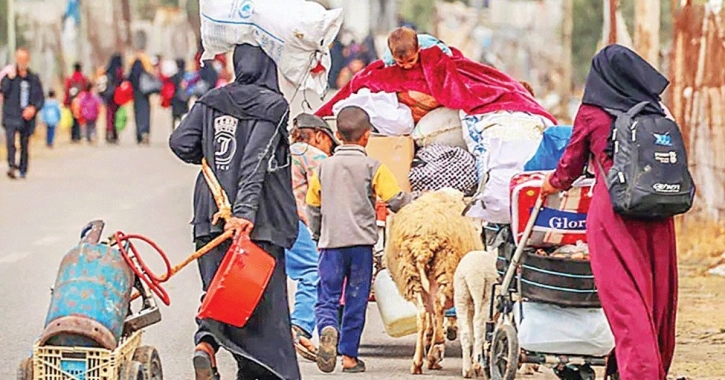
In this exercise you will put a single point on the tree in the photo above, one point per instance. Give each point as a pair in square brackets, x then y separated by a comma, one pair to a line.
[3, 23]
[588, 31]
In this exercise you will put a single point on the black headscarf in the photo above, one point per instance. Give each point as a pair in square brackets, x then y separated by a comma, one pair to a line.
[114, 65]
[255, 91]
[181, 64]
[619, 79]
[181, 70]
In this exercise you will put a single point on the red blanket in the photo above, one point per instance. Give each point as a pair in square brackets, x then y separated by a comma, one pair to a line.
[454, 81]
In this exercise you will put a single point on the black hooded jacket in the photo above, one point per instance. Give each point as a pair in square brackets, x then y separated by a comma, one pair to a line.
[180, 101]
[241, 130]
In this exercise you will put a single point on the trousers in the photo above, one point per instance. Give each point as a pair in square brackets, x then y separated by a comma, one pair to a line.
[335, 266]
[301, 265]
[24, 132]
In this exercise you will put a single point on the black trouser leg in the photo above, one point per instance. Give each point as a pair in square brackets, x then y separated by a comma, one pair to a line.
[10, 144]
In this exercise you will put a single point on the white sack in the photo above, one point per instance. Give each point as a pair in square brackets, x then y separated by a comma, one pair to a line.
[502, 142]
[441, 126]
[296, 34]
[389, 117]
[552, 329]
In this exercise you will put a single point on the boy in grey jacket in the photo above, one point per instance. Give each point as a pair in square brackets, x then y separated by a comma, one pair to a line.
[344, 225]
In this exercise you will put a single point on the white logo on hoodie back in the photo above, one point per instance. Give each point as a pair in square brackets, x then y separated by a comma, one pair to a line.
[225, 141]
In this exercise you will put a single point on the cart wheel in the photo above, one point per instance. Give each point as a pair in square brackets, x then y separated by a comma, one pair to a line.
[151, 361]
[504, 353]
[25, 369]
[132, 370]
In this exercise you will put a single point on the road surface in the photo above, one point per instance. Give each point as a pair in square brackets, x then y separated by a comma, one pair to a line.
[136, 189]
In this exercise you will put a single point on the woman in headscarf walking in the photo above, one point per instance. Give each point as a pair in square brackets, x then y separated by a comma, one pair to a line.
[241, 130]
[634, 261]
[114, 77]
[141, 104]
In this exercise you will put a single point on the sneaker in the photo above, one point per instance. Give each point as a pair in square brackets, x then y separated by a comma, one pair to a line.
[22, 175]
[327, 353]
[11, 173]
[205, 362]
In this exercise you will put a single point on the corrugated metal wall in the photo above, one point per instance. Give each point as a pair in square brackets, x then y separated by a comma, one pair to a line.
[698, 92]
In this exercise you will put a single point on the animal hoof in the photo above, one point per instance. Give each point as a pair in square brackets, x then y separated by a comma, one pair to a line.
[467, 374]
[477, 370]
[416, 369]
[434, 366]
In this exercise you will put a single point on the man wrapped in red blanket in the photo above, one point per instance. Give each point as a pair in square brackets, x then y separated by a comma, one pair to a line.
[454, 81]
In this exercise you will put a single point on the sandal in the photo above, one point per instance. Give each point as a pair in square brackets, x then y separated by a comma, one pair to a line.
[205, 363]
[307, 352]
[358, 368]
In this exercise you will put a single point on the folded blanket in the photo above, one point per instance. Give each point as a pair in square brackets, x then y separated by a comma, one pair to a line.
[454, 81]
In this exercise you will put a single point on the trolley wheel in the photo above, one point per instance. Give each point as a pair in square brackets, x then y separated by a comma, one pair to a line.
[149, 357]
[25, 369]
[504, 353]
[132, 370]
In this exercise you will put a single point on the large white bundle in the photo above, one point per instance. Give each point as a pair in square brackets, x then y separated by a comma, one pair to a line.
[441, 126]
[389, 117]
[296, 34]
[502, 142]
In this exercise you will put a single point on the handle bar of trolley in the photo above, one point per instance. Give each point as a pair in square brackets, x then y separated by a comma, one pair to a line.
[511, 270]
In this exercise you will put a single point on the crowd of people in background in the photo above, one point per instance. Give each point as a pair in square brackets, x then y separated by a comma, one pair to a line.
[88, 101]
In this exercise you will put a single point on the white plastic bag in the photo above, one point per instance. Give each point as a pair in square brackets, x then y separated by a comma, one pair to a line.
[296, 34]
[558, 330]
[399, 316]
[389, 117]
[441, 126]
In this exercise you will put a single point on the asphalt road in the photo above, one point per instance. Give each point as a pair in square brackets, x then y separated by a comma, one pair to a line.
[142, 190]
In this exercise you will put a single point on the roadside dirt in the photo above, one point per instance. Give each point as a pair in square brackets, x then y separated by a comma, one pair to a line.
[700, 352]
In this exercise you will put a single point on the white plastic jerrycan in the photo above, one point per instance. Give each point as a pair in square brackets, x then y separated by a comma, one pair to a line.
[399, 315]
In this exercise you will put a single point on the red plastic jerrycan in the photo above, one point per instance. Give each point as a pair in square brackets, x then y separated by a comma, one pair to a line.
[239, 284]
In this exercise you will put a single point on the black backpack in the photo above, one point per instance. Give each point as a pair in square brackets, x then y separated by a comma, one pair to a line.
[649, 178]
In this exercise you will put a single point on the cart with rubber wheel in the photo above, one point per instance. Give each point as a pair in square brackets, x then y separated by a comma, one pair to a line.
[525, 279]
[124, 359]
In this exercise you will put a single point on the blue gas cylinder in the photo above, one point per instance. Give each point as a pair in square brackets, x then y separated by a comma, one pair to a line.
[91, 296]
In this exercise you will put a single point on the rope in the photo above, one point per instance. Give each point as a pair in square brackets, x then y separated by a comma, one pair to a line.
[130, 253]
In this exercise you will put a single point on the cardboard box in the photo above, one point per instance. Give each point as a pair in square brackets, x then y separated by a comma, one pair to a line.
[396, 152]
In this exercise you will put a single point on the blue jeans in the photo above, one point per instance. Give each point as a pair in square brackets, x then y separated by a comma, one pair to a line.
[355, 264]
[301, 266]
[49, 135]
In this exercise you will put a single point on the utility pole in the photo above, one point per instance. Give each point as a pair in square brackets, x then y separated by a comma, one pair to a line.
[566, 75]
[647, 30]
[11, 29]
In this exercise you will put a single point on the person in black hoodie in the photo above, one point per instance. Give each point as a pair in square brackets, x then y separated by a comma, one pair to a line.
[241, 130]
[114, 77]
[23, 94]
[180, 100]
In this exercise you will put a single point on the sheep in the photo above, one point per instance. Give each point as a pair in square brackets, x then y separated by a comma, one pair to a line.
[472, 284]
[428, 238]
